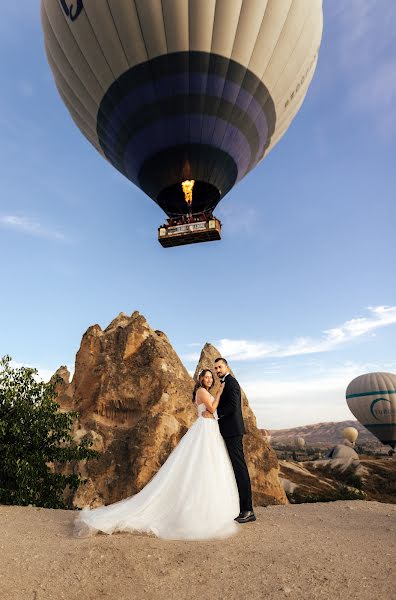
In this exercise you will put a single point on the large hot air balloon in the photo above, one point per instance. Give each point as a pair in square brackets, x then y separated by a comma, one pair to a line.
[372, 399]
[350, 434]
[184, 97]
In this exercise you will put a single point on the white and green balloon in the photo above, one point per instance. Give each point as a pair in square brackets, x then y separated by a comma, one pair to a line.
[372, 400]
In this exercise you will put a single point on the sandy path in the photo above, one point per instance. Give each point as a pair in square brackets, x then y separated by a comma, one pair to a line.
[308, 551]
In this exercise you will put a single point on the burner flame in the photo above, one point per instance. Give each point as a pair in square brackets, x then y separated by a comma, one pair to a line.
[187, 187]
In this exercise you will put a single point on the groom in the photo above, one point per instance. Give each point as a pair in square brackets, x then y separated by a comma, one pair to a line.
[229, 412]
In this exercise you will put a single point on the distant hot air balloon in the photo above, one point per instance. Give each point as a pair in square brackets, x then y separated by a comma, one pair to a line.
[350, 434]
[184, 97]
[299, 442]
[372, 400]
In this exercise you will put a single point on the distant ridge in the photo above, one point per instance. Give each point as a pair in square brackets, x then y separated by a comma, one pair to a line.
[322, 434]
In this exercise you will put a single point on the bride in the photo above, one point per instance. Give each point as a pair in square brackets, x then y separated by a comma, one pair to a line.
[193, 496]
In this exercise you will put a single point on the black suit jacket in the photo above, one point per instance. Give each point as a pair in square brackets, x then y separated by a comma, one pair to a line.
[229, 409]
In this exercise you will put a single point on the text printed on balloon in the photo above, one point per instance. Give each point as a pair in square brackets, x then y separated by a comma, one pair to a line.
[72, 11]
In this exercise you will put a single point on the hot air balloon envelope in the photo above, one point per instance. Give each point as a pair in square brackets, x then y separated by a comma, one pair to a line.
[350, 434]
[372, 399]
[178, 91]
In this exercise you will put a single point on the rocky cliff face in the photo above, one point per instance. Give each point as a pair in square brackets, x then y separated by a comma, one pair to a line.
[261, 459]
[134, 399]
[133, 396]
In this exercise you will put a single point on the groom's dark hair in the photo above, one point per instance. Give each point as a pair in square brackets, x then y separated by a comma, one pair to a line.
[222, 360]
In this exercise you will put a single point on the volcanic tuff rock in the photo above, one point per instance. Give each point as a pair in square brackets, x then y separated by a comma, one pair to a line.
[260, 457]
[326, 479]
[133, 396]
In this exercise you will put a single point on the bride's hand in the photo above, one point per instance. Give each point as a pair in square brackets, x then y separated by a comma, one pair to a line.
[207, 415]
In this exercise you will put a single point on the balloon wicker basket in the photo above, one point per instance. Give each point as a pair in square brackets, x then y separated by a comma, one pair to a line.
[189, 229]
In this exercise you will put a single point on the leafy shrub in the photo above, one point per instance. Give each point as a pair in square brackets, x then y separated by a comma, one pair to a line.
[342, 492]
[353, 480]
[347, 476]
[33, 435]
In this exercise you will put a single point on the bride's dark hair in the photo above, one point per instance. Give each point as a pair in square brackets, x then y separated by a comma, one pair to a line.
[199, 383]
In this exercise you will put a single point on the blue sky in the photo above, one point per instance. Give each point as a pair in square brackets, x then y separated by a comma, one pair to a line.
[300, 294]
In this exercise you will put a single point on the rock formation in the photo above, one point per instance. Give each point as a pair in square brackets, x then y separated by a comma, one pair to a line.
[134, 399]
[343, 452]
[370, 477]
[133, 396]
[260, 457]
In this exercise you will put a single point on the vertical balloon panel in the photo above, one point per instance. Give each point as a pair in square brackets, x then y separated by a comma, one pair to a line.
[73, 75]
[201, 22]
[126, 22]
[246, 37]
[176, 23]
[219, 94]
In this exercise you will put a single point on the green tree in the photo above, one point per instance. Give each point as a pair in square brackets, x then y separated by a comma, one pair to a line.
[34, 436]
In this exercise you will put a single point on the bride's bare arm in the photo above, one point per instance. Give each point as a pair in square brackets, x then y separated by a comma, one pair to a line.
[204, 397]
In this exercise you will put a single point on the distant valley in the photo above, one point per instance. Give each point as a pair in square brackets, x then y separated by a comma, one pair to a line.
[323, 435]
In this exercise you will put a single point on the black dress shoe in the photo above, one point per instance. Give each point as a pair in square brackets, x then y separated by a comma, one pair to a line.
[245, 517]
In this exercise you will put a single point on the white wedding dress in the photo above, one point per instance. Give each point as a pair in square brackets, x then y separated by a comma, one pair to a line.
[193, 496]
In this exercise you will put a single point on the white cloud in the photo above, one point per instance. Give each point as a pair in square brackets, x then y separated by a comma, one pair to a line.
[30, 226]
[280, 404]
[44, 373]
[381, 316]
[245, 350]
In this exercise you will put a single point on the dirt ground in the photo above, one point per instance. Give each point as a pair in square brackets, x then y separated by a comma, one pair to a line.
[322, 551]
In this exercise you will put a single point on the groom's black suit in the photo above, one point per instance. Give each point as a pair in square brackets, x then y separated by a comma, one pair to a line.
[232, 429]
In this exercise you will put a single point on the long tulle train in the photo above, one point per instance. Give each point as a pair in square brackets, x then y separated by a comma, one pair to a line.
[193, 496]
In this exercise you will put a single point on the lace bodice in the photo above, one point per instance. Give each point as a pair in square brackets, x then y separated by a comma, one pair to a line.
[201, 407]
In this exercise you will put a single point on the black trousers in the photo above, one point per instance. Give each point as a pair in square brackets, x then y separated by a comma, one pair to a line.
[235, 450]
